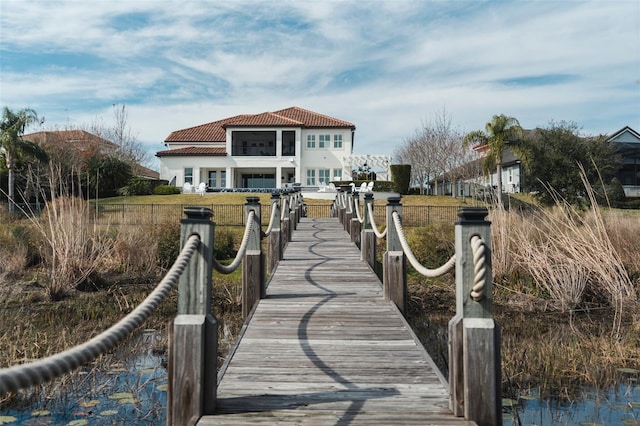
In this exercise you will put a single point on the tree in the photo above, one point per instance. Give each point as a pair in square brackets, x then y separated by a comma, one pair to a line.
[107, 174]
[500, 131]
[13, 147]
[557, 151]
[432, 151]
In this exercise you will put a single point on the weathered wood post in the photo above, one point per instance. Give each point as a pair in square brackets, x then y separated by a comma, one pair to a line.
[193, 346]
[355, 223]
[394, 263]
[368, 239]
[275, 237]
[253, 282]
[342, 206]
[286, 219]
[474, 337]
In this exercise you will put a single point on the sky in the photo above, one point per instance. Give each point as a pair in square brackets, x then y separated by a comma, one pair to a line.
[387, 66]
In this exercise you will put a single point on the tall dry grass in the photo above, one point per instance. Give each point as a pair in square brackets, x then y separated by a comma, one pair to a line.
[571, 255]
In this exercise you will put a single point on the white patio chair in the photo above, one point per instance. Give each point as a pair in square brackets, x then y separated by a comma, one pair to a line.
[363, 188]
[187, 188]
[201, 189]
[370, 187]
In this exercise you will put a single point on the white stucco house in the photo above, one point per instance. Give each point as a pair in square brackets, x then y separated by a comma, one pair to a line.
[266, 150]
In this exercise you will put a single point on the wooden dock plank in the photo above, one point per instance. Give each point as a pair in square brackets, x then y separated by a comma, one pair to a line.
[324, 347]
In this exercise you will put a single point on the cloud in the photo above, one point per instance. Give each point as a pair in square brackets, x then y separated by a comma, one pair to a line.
[383, 65]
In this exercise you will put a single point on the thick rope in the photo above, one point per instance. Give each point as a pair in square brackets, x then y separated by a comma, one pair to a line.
[227, 269]
[272, 221]
[349, 204]
[21, 376]
[429, 273]
[357, 208]
[284, 208]
[479, 268]
[373, 223]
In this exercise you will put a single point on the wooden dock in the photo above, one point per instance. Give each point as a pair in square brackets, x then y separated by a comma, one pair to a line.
[325, 348]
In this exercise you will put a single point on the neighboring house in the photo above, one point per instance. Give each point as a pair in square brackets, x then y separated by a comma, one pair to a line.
[85, 143]
[628, 143]
[626, 139]
[267, 150]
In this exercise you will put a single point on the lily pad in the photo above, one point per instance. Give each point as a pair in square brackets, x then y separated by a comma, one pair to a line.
[628, 370]
[121, 395]
[508, 402]
[39, 413]
[108, 412]
[163, 388]
[123, 401]
[79, 422]
[7, 419]
[88, 404]
[528, 397]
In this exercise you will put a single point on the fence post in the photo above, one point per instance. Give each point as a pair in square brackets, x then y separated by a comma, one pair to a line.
[355, 223]
[253, 283]
[368, 239]
[193, 346]
[474, 337]
[394, 264]
[275, 238]
[348, 213]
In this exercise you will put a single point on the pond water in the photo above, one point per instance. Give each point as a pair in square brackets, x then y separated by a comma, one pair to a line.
[130, 388]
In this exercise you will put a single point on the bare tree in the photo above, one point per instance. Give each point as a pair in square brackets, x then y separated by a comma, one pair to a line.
[121, 133]
[434, 150]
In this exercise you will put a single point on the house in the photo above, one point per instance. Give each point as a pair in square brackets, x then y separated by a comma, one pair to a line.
[266, 150]
[627, 141]
[85, 143]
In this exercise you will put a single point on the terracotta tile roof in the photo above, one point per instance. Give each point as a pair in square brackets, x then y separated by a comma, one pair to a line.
[289, 117]
[77, 136]
[313, 119]
[209, 132]
[193, 151]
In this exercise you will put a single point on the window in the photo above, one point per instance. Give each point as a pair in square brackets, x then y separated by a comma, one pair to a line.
[323, 175]
[311, 177]
[323, 141]
[258, 143]
[337, 141]
[223, 179]
[212, 179]
[288, 143]
[188, 175]
[337, 174]
[311, 141]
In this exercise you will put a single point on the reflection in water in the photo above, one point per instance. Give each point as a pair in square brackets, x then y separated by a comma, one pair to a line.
[619, 405]
[127, 387]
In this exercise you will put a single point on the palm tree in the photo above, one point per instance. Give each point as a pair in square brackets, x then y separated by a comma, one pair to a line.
[12, 146]
[501, 130]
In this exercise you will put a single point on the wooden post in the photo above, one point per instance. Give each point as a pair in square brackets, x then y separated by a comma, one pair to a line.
[394, 274]
[275, 239]
[342, 206]
[474, 337]
[253, 283]
[193, 346]
[355, 223]
[286, 220]
[294, 210]
[348, 213]
[368, 239]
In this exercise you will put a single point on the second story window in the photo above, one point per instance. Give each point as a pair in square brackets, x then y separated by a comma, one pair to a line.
[311, 141]
[323, 141]
[337, 141]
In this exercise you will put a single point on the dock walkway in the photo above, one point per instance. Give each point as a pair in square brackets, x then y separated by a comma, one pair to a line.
[325, 348]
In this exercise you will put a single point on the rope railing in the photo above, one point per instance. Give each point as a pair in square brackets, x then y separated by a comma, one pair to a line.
[284, 212]
[272, 220]
[478, 248]
[21, 376]
[227, 269]
[422, 270]
[357, 209]
[373, 223]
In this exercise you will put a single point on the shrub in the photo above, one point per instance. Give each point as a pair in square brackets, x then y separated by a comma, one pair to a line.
[168, 244]
[401, 177]
[136, 186]
[166, 190]
[433, 245]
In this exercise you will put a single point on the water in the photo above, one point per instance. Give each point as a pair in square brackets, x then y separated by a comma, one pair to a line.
[130, 388]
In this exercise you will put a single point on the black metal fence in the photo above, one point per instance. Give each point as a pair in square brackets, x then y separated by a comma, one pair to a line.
[233, 214]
